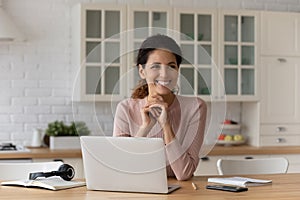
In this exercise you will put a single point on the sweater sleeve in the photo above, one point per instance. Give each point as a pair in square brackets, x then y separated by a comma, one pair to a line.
[184, 161]
[121, 121]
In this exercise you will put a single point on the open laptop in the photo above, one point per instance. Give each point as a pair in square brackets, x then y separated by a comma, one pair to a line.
[125, 164]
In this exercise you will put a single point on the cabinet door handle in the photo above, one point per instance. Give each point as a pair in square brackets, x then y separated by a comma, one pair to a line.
[205, 158]
[280, 140]
[282, 60]
[280, 129]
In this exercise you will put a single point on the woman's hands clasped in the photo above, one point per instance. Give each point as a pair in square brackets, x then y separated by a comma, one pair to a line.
[155, 110]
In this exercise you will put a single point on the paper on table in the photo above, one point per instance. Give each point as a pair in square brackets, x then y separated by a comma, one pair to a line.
[239, 181]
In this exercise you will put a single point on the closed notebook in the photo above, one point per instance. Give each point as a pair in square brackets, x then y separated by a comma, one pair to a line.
[239, 181]
[51, 183]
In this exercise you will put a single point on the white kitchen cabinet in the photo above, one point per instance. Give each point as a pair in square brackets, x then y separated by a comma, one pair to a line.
[280, 101]
[280, 85]
[280, 33]
[142, 23]
[76, 163]
[198, 41]
[98, 49]
[239, 45]
[220, 50]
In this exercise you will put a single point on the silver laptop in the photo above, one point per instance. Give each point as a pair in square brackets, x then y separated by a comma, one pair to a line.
[125, 164]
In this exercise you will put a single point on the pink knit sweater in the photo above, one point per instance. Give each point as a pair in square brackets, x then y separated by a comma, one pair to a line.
[187, 116]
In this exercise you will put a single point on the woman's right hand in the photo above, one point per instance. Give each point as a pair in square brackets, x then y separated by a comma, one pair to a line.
[148, 120]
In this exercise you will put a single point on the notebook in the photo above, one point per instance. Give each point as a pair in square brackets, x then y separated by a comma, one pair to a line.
[125, 164]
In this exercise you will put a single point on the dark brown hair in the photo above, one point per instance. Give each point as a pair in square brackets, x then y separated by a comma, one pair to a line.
[150, 44]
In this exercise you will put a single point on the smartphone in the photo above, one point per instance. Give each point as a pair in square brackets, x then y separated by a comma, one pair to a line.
[227, 188]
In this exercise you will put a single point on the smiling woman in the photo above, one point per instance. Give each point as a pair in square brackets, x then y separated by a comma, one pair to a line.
[154, 110]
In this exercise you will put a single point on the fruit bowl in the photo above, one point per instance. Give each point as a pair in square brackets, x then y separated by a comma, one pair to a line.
[227, 139]
[232, 142]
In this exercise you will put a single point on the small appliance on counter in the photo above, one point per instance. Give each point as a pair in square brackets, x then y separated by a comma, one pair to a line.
[10, 147]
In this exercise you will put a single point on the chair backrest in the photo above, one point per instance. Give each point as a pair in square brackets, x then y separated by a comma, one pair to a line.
[252, 166]
[15, 171]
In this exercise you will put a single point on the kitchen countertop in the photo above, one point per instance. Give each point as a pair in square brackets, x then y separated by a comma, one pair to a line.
[42, 152]
[216, 151]
[252, 150]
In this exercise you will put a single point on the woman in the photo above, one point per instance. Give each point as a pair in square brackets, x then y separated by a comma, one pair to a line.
[155, 111]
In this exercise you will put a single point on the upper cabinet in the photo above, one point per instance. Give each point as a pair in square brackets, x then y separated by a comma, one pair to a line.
[280, 34]
[198, 41]
[142, 23]
[239, 44]
[219, 48]
[97, 52]
[220, 51]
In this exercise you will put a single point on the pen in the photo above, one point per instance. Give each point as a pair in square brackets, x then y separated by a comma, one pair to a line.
[194, 186]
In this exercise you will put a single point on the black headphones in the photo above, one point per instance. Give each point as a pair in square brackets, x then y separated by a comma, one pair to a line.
[65, 171]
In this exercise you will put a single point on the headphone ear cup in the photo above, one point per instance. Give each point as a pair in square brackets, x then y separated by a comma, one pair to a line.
[66, 172]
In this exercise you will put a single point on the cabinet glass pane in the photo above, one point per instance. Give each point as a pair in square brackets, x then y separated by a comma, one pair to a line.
[248, 55]
[204, 81]
[93, 52]
[231, 28]
[187, 26]
[112, 77]
[248, 29]
[159, 20]
[93, 24]
[112, 55]
[188, 53]
[93, 80]
[231, 55]
[204, 27]
[204, 54]
[231, 81]
[187, 81]
[141, 19]
[248, 81]
[112, 23]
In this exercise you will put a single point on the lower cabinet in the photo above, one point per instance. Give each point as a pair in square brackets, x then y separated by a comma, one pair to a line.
[208, 165]
[74, 162]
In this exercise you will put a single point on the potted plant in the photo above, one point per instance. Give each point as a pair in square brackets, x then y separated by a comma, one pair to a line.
[62, 136]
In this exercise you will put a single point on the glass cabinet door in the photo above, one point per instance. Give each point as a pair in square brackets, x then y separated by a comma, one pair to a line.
[197, 43]
[239, 53]
[142, 24]
[102, 61]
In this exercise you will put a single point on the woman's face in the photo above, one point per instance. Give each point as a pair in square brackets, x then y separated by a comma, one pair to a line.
[162, 70]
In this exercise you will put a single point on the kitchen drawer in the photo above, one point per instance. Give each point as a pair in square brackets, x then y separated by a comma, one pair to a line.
[280, 129]
[279, 140]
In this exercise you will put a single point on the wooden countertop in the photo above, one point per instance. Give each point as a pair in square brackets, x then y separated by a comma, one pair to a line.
[251, 150]
[284, 186]
[42, 153]
[216, 151]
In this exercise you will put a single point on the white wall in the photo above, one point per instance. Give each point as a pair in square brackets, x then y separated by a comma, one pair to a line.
[35, 78]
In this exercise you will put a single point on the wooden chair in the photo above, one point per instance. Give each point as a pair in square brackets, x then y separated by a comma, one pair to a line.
[14, 171]
[252, 166]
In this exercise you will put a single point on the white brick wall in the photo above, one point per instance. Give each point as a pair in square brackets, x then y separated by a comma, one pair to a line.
[35, 78]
